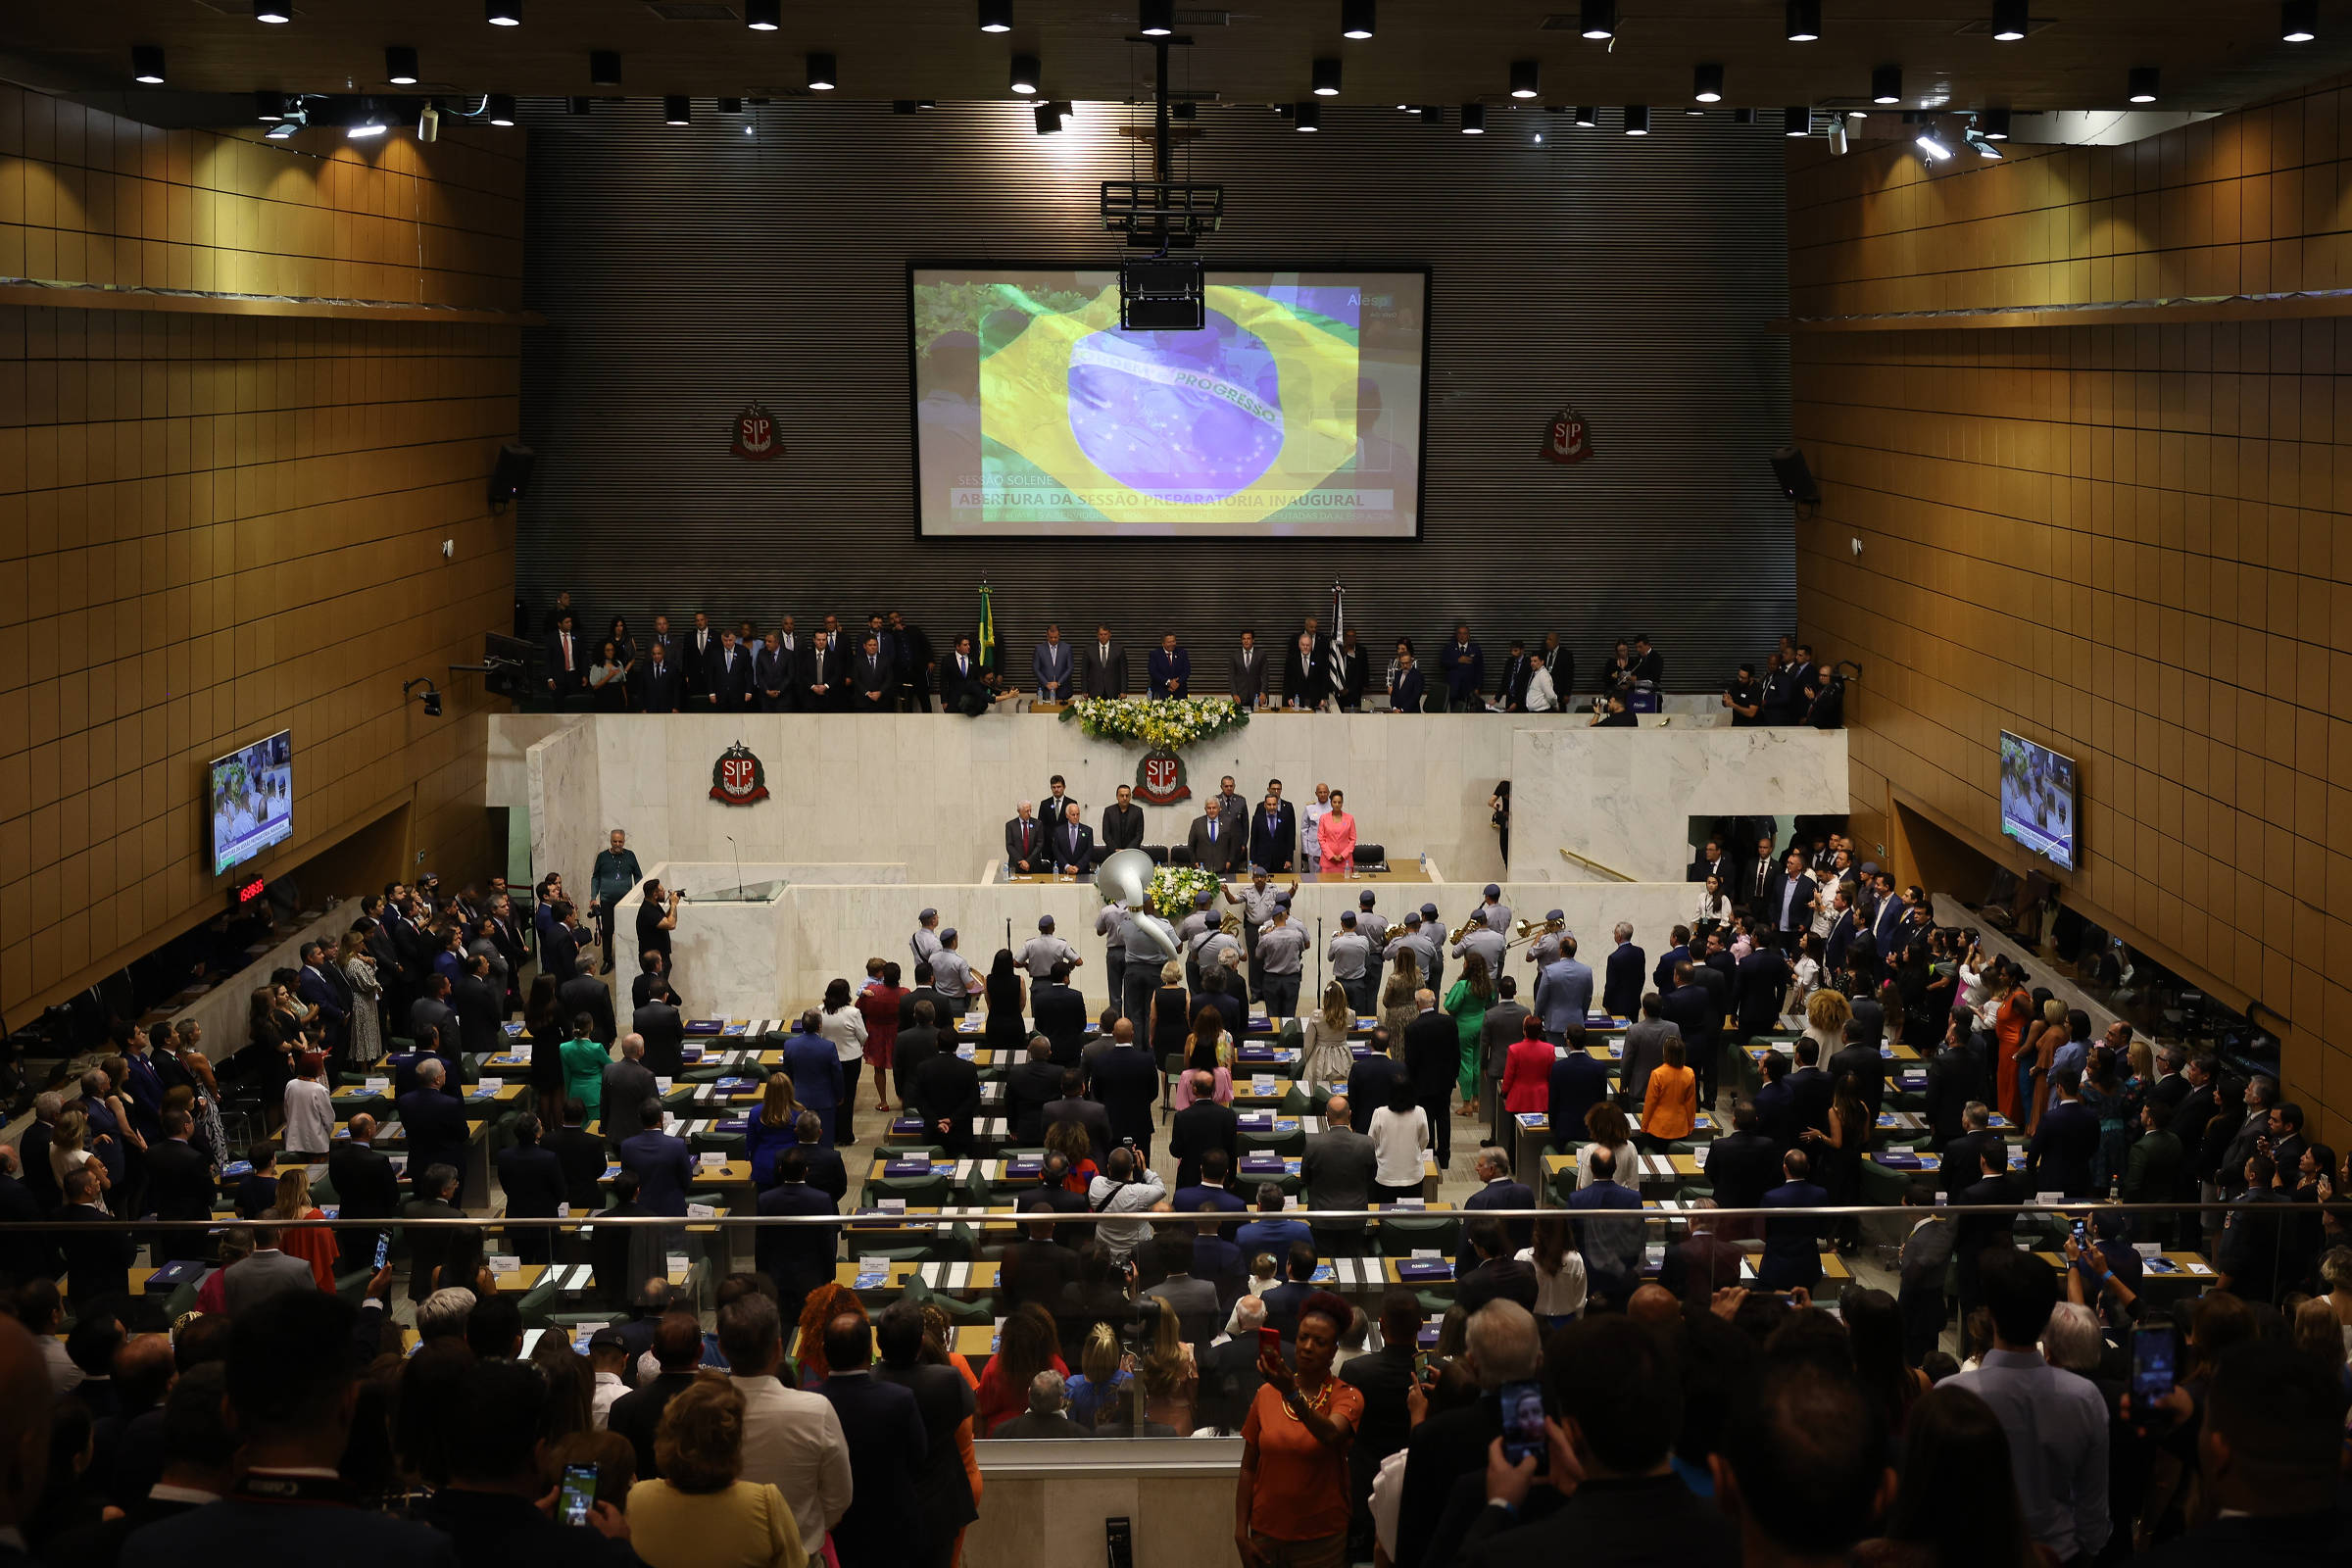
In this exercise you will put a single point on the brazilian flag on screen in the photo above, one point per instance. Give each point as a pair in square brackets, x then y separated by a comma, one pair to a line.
[983, 640]
[1235, 423]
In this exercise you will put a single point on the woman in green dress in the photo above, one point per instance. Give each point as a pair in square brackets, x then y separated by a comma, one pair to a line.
[584, 1063]
[1472, 995]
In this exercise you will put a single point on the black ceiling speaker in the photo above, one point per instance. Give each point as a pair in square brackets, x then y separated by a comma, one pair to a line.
[512, 475]
[1796, 479]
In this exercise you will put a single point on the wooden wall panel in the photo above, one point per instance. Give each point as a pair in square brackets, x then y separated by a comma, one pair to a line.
[215, 527]
[2122, 541]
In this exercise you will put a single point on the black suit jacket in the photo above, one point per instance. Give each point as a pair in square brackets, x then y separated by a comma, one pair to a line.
[731, 678]
[533, 1179]
[627, 1086]
[1955, 1076]
[433, 1025]
[481, 1007]
[884, 1431]
[435, 1125]
[1028, 1090]
[1302, 681]
[665, 1034]
[1369, 1083]
[1098, 675]
[1810, 1090]
[569, 682]
[1019, 847]
[1126, 1080]
[1068, 854]
[1867, 1066]
[660, 688]
[26, 1255]
[950, 1091]
[1621, 988]
[1743, 1166]
[1275, 848]
[585, 993]
[1433, 1054]
[1197, 1129]
[180, 1184]
[583, 1158]
[1122, 827]
[1964, 1159]
[366, 1188]
[97, 1261]
[1059, 1012]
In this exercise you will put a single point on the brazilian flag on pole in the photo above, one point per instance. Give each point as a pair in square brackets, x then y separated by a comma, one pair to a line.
[984, 641]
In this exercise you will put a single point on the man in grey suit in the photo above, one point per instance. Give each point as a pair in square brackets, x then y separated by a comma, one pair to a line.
[250, 1281]
[1249, 674]
[1645, 1049]
[1211, 838]
[1102, 671]
[1336, 1172]
[1564, 997]
[1505, 1024]
[1052, 664]
[628, 1086]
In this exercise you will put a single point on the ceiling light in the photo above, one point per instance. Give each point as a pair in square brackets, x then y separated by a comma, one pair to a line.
[1306, 116]
[273, 10]
[1887, 84]
[1983, 148]
[2140, 86]
[1804, 20]
[2299, 20]
[1995, 123]
[604, 67]
[1024, 74]
[501, 108]
[1474, 119]
[1355, 19]
[283, 130]
[822, 75]
[1326, 79]
[1599, 18]
[996, 16]
[1797, 120]
[1932, 145]
[677, 110]
[763, 16]
[1524, 77]
[147, 63]
[1637, 119]
[1156, 19]
[2009, 21]
[268, 105]
[369, 123]
[1587, 116]
[400, 65]
[1432, 114]
[1707, 84]
[1048, 117]
[503, 13]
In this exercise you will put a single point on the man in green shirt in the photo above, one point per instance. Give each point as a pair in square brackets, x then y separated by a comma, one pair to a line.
[609, 881]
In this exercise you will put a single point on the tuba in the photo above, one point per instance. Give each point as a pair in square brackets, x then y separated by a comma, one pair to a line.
[1124, 878]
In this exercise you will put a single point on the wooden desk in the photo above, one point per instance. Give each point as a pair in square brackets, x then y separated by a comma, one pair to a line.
[577, 1278]
[1657, 1170]
[970, 1281]
[2188, 1271]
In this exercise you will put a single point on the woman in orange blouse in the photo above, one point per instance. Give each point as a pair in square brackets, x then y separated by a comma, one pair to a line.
[1291, 1506]
[1526, 1070]
[1670, 1106]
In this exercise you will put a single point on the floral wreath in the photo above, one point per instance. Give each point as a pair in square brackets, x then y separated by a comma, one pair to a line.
[1149, 721]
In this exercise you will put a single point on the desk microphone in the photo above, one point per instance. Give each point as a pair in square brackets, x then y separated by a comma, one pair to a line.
[738, 868]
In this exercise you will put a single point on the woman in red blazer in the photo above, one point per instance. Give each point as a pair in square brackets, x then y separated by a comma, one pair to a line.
[1527, 1071]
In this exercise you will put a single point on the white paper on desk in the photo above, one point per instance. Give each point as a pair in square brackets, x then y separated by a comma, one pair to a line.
[662, 1085]
[563, 1211]
[2050, 1197]
[701, 1211]
[1429, 1156]
[711, 1160]
[503, 1264]
[377, 1085]
[2143, 1249]
[1413, 1202]
[677, 1262]
[1426, 1251]
[894, 1205]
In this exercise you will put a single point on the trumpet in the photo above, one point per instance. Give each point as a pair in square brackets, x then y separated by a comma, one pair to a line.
[1525, 931]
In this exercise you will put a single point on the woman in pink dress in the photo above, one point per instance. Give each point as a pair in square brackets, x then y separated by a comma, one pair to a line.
[1337, 836]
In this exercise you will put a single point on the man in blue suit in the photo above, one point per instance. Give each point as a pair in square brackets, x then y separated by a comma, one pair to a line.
[1662, 977]
[883, 1428]
[314, 988]
[1405, 683]
[1171, 670]
[798, 1257]
[1621, 993]
[1499, 1192]
[1371, 1081]
[1775, 1103]
[1579, 1081]
[1564, 996]
[1792, 1246]
[2059, 1157]
[1462, 665]
[662, 1165]
[433, 1122]
[1611, 1248]
[1272, 1233]
[1053, 663]
[816, 1069]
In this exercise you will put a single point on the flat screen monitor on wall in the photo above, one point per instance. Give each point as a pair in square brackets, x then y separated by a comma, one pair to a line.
[2039, 805]
[1295, 413]
[249, 799]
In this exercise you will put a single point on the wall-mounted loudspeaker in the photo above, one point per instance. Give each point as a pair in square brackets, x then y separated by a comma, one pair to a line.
[512, 475]
[1796, 479]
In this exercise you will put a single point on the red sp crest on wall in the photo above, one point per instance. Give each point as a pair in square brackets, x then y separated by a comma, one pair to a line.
[1569, 439]
[1160, 779]
[755, 434]
[737, 778]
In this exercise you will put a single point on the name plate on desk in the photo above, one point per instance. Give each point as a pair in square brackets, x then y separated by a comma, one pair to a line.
[1424, 1268]
[705, 1026]
[1024, 1168]
[907, 1125]
[503, 1264]
[907, 1167]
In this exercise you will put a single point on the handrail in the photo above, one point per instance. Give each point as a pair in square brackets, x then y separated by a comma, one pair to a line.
[1585, 861]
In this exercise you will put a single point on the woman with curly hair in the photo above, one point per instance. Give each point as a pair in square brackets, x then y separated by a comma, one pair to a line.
[1292, 1504]
[823, 1305]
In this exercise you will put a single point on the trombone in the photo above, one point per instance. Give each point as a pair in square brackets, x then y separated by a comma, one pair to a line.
[1525, 931]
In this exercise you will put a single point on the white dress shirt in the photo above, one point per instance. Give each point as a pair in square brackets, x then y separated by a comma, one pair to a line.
[792, 1441]
[604, 1397]
[309, 1116]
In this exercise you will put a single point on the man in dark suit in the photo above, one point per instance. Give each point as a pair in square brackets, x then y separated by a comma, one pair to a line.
[1462, 667]
[822, 679]
[658, 1024]
[1712, 862]
[585, 994]
[1433, 1059]
[1057, 1010]
[433, 1022]
[1199, 1127]
[1370, 1081]
[777, 675]
[873, 681]
[1249, 682]
[366, 1188]
[1792, 1246]
[566, 663]
[1123, 823]
[677, 1350]
[1303, 681]
[482, 1005]
[1758, 983]
[1211, 841]
[661, 688]
[181, 1185]
[730, 684]
[1955, 1076]
[1810, 1090]
[2059, 1157]
[1171, 670]
[582, 1154]
[1964, 1156]
[313, 986]
[1102, 666]
[884, 1431]
[1024, 841]
[1975, 1233]
[964, 681]
[1033, 1082]
[1621, 985]
[798, 1257]
[629, 1087]
[1860, 1057]
[1499, 1189]
[1579, 1081]
[1406, 684]
[97, 1261]
[1743, 1164]
[1072, 844]
[1787, 901]
[950, 1095]
[532, 1178]
[664, 1169]
[1126, 1080]
[435, 1123]
[1274, 836]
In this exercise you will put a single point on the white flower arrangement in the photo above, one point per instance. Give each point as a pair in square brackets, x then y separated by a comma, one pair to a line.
[1173, 890]
[1161, 725]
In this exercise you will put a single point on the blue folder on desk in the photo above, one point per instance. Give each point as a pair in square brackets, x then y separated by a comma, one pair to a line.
[1424, 1268]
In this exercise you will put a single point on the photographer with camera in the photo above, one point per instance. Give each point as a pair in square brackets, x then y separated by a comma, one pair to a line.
[657, 918]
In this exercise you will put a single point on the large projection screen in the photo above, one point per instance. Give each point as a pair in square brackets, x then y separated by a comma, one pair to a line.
[1295, 413]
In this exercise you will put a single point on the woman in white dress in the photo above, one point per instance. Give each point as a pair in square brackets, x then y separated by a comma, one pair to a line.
[1809, 950]
[1327, 1058]
[358, 970]
[1399, 1132]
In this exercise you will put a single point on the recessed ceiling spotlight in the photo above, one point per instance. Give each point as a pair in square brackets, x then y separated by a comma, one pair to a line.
[2140, 86]
[1156, 19]
[1525, 75]
[1887, 84]
[2009, 21]
[2299, 20]
[503, 13]
[400, 65]
[1024, 74]
[764, 15]
[1707, 84]
[996, 16]
[147, 63]
[279, 11]
[1355, 19]
[1803, 21]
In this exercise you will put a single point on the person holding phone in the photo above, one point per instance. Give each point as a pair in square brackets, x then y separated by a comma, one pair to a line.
[1291, 1506]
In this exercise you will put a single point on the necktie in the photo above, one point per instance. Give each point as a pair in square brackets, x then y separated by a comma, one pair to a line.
[568, 650]
[1213, 830]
